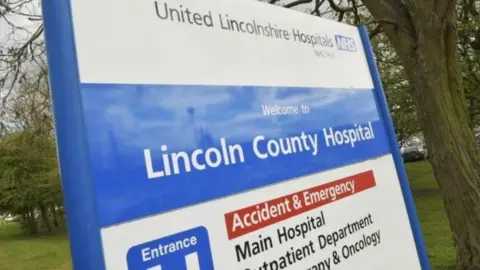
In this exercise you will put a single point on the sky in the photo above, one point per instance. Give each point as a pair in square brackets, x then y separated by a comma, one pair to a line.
[15, 29]
[34, 8]
[19, 21]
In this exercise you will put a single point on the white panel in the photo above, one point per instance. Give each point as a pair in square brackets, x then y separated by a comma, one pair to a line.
[192, 261]
[384, 202]
[124, 41]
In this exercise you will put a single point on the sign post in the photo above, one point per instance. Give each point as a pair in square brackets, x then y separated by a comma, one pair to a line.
[224, 135]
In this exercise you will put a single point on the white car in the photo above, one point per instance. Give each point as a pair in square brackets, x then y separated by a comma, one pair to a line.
[414, 150]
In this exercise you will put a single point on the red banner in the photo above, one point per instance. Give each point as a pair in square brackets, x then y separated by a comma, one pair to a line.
[258, 216]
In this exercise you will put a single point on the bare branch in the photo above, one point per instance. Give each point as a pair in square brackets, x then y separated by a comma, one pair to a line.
[34, 37]
[385, 21]
[355, 11]
[340, 16]
[395, 16]
[16, 8]
[21, 46]
[316, 9]
[337, 8]
[389, 10]
[296, 3]
[376, 31]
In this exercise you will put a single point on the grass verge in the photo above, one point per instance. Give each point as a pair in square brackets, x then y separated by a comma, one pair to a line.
[432, 216]
[18, 251]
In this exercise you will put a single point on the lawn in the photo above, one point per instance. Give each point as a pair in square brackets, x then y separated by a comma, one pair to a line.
[52, 252]
[431, 213]
[21, 252]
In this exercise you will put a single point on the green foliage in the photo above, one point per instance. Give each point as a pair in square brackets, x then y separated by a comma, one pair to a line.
[397, 89]
[469, 50]
[29, 178]
[28, 175]
[396, 84]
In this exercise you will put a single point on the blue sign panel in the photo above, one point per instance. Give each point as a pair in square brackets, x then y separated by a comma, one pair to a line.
[187, 250]
[254, 148]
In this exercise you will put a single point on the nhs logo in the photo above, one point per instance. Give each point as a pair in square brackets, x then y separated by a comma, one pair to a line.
[345, 43]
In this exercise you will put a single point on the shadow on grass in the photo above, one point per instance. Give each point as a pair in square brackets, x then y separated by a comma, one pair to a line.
[13, 232]
[452, 267]
[426, 192]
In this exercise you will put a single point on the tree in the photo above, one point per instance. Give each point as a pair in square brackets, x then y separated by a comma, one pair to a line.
[28, 181]
[21, 45]
[424, 35]
[395, 82]
[469, 49]
[29, 176]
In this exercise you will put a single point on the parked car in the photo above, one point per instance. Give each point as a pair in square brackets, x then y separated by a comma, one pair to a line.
[414, 150]
[6, 218]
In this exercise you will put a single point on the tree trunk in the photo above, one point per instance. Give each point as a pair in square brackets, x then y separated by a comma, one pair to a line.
[54, 214]
[428, 50]
[452, 149]
[46, 221]
[32, 222]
